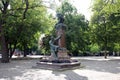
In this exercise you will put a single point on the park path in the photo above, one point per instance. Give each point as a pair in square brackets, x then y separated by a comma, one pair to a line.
[92, 68]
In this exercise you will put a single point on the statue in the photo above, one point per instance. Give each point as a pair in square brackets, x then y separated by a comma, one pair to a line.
[59, 54]
[57, 45]
[53, 47]
[60, 29]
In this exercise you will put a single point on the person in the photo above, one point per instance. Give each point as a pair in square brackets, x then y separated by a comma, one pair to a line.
[53, 47]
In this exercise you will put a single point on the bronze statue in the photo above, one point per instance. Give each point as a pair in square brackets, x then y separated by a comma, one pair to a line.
[53, 47]
[60, 24]
[60, 29]
[58, 45]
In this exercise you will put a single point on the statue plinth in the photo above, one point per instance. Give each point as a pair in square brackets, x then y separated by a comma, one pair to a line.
[62, 55]
[62, 52]
[61, 41]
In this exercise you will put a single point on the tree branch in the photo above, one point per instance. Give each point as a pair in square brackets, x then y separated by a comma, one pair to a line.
[1, 9]
[24, 13]
[3, 2]
[29, 7]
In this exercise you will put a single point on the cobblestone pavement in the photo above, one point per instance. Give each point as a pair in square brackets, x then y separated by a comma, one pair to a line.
[92, 68]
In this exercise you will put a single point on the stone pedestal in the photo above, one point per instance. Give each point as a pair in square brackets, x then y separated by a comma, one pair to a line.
[61, 41]
[62, 55]
[58, 66]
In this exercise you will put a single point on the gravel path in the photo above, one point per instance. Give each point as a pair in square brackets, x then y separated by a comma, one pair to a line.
[92, 68]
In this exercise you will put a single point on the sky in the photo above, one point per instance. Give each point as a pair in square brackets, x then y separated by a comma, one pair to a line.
[83, 6]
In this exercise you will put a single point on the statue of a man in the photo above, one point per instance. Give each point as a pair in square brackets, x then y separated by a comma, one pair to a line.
[58, 45]
[60, 23]
[60, 29]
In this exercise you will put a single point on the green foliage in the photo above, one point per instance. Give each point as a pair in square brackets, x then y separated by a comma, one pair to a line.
[117, 47]
[67, 8]
[25, 29]
[24, 23]
[105, 23]
[44, 44]
[94, 48]
[77, 26]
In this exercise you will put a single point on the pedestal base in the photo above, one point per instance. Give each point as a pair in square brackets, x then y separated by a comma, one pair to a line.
[58, 66]
[62, 55]
[62, 62]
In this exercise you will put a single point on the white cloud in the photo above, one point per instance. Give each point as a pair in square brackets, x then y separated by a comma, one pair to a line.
[83, 6]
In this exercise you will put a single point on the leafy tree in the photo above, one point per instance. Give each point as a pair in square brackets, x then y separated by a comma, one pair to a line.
[104, 24]
[20, 25]
[76, 33]
[94, 48]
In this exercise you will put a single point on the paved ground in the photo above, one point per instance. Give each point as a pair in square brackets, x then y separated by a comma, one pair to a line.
[93, 68]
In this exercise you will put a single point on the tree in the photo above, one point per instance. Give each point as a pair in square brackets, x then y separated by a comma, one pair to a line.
[94, 48]
[3, 7]
[76, 33]
[104, 24]
[21, 24]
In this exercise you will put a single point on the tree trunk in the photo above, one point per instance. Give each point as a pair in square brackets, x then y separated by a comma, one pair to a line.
[25, 51]
[5, 54]
[106, 39]
[11, 50]
[4, 47]
[105, 54]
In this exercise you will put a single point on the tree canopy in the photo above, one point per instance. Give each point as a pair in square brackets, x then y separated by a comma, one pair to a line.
[77, 26]
[105, 23]
[21, 24]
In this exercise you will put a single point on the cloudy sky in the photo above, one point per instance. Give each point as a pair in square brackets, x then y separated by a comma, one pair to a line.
[83, 6]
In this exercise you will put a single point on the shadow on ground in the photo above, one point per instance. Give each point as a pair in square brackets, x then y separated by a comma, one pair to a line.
[70, 75]
[111, 66]
[14, 69]
[22, 70]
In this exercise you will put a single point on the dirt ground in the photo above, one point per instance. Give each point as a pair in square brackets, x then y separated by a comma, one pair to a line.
[92, 68]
